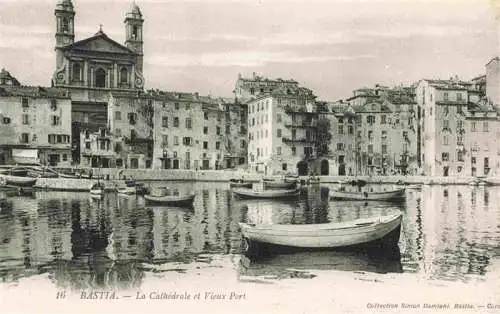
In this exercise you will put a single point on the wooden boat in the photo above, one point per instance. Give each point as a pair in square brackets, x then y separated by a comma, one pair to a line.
[17, 181]
[280, 185]
[128, 190]
[176, 200]
[97, 190]
[235, 183]
[368, 196]
[328, 235]
[249, 193]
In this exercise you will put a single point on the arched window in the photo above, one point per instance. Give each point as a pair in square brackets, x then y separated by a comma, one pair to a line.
[100, 78]
[135, 32]
[124, 76]
[77, 70]
[65, 25]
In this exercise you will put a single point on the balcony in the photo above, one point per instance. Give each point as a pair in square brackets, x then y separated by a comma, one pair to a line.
[297, 140]
[297, 110]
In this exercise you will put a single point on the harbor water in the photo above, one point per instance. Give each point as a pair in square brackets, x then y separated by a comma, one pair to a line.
[448, 253]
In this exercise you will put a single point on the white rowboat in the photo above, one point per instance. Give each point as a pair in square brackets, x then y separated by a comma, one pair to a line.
[249, 193]
[129, 190]
[329, 235]
[368, 196]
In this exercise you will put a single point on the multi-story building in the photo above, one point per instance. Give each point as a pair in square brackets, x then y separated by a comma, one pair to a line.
[93, 67]
[458, 127]
[7, 79]
[282, 131]
[196, 132]
[372, 133]
[35, 125]
[97, 149]
[256, 86]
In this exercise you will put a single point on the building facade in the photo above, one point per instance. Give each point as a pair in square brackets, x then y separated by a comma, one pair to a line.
[35, 125]
[282, 131]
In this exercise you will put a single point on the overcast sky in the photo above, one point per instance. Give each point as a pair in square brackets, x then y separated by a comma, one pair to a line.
[331, 46]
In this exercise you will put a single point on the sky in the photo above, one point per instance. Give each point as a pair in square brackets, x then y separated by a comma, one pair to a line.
[331, 47]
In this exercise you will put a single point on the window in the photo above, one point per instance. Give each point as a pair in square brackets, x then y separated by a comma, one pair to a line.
[55, 120]
[473, 126]
[266, 118]
[87, 145]
[341, 129]
[124, 76]
[308, 151]
[132, 134]
[118, 115]
[100, 78]
[370, 119]
[266, 133]
[384, 148]
[26, 119]
[283, 167]
[460, 156]
[359, 134]
[176, 140]
[188, 106]
[77, 70]
[340, 146]
[445, 96]
[278, 133]
[446, 111]
[473, 160]
[350, 129]
[218, 117]
[217, 145]
[486, 162]
[253, 121]
[25, 137]
[176, 122]
[460, 139]
[370, 135]
[278, 117]
[189, 123]
[459, 96]
[445, 156]
[370, 148]
[205, 115]
[228, 129]
[205, 130]
[25, 103]
[217, 130]
[65, 25]
[242, 144]
[205, 145]
[177, 106]
[384, 134]
[103, 145]
[485, 126]
[445, 140]
[460, 124]
[187, 141]
[6, 120]
[165, 140]
[294, 150]
[164, 122]
[383, 119]
[278, 150]
[132, 118]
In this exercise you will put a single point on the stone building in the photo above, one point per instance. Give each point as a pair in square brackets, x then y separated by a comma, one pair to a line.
[7, 79]
[372, 133]
[35, 125]
[197, 132]
[282, 131]
[256, 86]
[93, 67]
[459, 129]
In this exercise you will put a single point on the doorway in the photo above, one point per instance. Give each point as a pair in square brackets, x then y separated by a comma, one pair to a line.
[325, 168]
[302, 168]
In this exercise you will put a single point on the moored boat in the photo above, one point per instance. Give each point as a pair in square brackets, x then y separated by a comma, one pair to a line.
[176, 200]
[239, 183]
[17, 180]
[398, 194]
[328, 235]
[97, 190]
[128, 190]
[280, 185]
[249, 193]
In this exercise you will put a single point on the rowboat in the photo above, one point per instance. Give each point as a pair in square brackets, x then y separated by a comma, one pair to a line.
[128, 190]
[249, 193]
[368, 196]
[234, 183]
[280, 185]
[97, 190]
[328, 235]
[17, 181]
[176, 200]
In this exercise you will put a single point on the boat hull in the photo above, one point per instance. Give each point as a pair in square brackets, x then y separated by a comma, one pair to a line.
[127, 191]
[17, 181]
[372, 196]
[279, 185]
[248, 193]
[358, 232]
[240, 184]
[170, 200]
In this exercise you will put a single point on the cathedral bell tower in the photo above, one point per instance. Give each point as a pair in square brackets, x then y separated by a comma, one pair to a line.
[134, 29]
[65, 18]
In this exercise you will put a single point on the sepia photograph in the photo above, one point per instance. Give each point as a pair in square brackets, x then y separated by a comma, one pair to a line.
[250, 156]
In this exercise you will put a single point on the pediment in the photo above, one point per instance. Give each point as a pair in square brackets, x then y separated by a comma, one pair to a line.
[99, 43]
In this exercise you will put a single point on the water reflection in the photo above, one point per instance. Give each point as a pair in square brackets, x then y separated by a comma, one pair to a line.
[448, 232]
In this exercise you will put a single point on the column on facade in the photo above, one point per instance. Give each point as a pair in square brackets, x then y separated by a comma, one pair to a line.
[85, 73]
[108, 79]
[115, 75]
[91, 77]
[132, 76]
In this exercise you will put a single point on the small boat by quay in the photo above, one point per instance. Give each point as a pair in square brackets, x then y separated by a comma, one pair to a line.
[17, 180]
[323, 236]
[175, 200]
[393, 195]
[279, 185]
[249, 193]
[128, 190]
[239, 183]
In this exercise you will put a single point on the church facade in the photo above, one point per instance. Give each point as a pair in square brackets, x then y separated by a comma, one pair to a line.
[96, 71]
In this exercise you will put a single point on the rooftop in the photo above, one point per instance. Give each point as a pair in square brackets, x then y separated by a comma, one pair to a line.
[34, 92]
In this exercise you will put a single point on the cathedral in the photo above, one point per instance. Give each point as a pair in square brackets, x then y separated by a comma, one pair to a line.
[95, 70]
